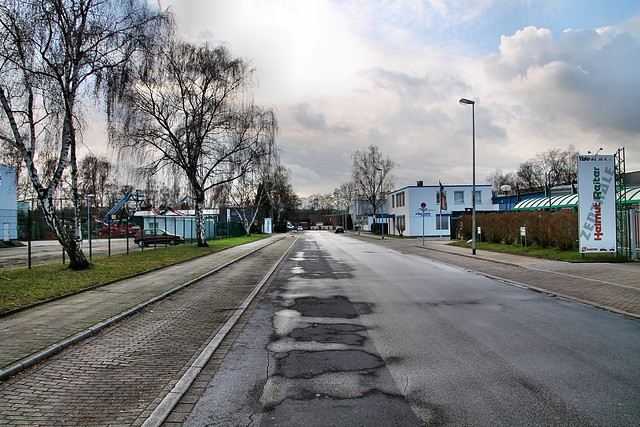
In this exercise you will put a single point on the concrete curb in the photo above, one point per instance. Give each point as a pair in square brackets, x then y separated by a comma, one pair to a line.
[166, 406]
[56, 348]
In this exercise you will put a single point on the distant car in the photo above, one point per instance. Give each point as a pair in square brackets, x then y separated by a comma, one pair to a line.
[290, 227]
[157, 236]
[339, 230]
[300, 228]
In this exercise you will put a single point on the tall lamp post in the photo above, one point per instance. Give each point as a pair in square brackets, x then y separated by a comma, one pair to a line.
[89, 221]
[381, 202]
[558, 183]
[464, 101]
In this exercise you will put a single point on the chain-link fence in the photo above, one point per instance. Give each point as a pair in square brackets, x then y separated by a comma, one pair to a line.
[26, 239]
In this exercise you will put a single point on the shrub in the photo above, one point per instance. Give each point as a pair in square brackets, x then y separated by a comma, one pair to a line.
[564, 228]
[537, 224]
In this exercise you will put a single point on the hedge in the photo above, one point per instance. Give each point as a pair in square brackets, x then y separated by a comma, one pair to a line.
[542, 227]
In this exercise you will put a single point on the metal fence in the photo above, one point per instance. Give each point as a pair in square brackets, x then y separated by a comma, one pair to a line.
[26, 239]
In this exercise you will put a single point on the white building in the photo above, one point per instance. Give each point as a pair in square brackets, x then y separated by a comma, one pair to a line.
[361, 212]
[8, 203]
[414, 206]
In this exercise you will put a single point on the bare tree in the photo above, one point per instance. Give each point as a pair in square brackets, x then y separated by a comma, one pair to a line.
[372, 176]
[96, 177]
[192, 109]
[53, 52]
[283, 200]
[344, 195]
[498, 179]
[534, 173]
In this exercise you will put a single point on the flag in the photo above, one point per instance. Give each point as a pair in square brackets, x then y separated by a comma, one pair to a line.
[443, 198]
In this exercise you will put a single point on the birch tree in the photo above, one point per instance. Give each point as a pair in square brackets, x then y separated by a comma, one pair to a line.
[192, 109]
[53, 53]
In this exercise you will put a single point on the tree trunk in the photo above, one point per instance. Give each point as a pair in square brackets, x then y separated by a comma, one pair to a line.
[77, 260]
[200, 227]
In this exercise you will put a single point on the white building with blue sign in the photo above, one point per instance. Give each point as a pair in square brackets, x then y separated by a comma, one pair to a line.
[8, 204]
[421, 211]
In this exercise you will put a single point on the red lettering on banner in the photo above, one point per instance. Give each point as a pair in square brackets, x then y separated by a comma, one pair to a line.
[598, 222]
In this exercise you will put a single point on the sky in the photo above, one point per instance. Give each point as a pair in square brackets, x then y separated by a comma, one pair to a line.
[344, 74]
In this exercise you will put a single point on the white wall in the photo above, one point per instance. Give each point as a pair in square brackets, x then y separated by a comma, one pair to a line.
[8, 203]
[414, 196]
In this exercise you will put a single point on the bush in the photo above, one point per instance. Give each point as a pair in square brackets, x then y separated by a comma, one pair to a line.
[465, 227]
[543, 228]
[490, 225]
[563, 227]
[537, 224]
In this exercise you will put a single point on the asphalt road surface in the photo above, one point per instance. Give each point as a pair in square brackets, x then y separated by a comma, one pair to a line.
[353, 334]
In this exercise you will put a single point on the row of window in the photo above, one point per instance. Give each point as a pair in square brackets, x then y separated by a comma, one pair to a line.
[442, 222]
[398, 200]
[458, 197]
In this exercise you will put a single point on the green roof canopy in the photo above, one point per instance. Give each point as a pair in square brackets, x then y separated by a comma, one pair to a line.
[632, 195]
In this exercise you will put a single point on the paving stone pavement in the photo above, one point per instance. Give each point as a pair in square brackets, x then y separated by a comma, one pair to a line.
[120, 375]
[44, 327]
[611, 286]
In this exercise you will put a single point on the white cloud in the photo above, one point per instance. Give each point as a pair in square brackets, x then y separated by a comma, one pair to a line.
[345, 74]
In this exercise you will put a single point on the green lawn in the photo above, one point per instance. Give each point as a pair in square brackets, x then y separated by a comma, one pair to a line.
[22, 287]
[548, 253]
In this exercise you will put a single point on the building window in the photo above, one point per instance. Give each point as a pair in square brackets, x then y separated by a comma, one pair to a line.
[442, 222]
[400, 199]
[458, 197]
[478, 197]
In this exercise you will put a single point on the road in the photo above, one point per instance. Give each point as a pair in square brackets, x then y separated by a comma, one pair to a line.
[353, 333]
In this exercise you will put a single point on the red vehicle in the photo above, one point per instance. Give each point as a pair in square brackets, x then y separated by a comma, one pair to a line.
[152, 236]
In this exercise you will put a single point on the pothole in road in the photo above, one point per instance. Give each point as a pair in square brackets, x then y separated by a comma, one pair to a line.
[302, 364]
[336, 306]
[342, 333]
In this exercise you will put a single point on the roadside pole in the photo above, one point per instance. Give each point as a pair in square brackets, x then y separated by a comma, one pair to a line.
[423, 208]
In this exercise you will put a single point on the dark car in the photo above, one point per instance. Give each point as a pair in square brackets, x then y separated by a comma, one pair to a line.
[157, 236]
[339, 230]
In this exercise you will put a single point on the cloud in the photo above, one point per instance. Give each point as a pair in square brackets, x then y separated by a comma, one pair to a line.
[309, 119]
[588, 78]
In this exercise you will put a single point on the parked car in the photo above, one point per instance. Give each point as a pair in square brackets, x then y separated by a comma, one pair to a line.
[339, 229]
[300, 228]
[152, 236]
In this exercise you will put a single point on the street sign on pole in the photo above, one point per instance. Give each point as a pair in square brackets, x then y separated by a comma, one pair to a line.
[423, 208]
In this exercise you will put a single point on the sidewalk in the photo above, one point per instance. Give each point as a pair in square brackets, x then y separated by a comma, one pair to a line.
[611, 286]
[35, 333]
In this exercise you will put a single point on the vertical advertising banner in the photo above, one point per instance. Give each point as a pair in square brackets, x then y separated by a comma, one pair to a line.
[597, 204]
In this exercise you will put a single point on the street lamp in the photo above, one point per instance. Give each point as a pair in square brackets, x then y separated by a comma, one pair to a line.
[89, 221]
[505, 189]
[381, 202]
[464, 101]
[558, 183]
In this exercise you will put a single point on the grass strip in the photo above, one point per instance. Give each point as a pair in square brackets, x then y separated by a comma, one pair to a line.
[21, 287]
[546, 253]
